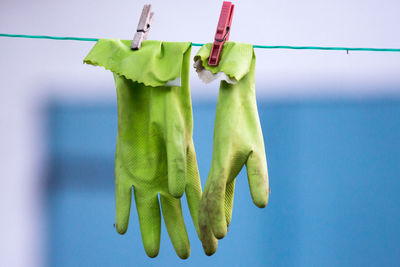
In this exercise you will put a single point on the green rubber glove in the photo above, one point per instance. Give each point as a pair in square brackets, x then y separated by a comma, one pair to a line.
[155, 152]
[238, 141]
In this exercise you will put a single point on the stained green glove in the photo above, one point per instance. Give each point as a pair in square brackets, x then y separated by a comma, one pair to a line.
[238, 140]
[155, 152]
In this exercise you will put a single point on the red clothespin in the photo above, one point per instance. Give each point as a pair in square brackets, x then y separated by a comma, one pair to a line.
[222, 34]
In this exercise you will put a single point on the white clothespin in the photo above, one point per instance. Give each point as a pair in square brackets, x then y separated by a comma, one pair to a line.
[143, 27]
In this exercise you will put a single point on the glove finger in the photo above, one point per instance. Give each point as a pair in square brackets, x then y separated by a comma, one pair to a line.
[193, 187]
[148, 209]
[123, 198]
[257, 173]
[210, 243]
[176, 157]
[216, 206]
[229, 194]
[172, 213]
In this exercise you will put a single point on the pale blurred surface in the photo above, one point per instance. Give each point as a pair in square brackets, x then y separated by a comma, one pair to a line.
[33, 73]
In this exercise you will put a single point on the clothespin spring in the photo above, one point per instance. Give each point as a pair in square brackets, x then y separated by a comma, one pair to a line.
[226, 34]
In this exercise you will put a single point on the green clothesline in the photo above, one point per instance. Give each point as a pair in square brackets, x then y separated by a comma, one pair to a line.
[195, 44]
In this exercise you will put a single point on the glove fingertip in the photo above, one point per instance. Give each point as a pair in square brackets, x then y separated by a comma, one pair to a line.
[121, 228]
[183, 253]
[261, 202]
[176, 171]
[151, 242]
[211, 248]
[216, 211]
[176, 179]
[260, 192]
[176, 190]
[123, 197]
[209, 242]
[220, 231]
[257, 173]
[152, 251]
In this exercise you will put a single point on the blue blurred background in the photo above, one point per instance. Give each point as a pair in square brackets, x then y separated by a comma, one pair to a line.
[331, 123]
[333, 169]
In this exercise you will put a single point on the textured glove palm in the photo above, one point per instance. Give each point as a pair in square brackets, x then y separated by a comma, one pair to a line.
[238, 141]
[155, 152]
